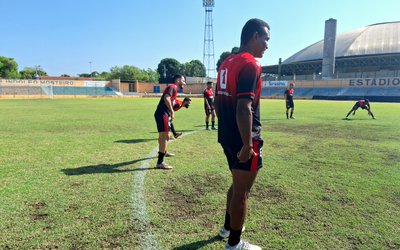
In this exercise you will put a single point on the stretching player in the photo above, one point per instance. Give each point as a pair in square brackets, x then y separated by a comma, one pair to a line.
[164, 115]
[364, 104]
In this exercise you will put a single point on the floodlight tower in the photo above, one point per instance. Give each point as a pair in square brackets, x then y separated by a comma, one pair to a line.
[208, 51]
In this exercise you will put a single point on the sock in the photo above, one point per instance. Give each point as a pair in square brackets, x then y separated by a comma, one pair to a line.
[227, 224]
[234, 237]
[160, 157]
[287, 115]
[291, 114]
[206, 124]
[173, 129]
[213, 124]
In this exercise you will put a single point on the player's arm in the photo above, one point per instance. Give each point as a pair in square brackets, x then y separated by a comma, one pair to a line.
[246, 88]
[168, 102]
[244, 120]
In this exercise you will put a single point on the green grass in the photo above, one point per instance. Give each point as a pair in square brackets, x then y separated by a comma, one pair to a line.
[67, 169]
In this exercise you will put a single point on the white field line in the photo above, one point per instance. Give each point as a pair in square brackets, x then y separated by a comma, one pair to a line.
[139, 210]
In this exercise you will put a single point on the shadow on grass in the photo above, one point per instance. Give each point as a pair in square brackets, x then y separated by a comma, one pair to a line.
[198, 244]
[177, 130]
[135, 140]
[106, 168]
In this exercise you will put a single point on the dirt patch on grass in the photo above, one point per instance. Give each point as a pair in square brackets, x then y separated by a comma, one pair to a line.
[270, 194]
[186, 194]
[36, 210]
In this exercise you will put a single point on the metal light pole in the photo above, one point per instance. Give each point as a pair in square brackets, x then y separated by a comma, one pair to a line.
[208, 51]
[90, 65]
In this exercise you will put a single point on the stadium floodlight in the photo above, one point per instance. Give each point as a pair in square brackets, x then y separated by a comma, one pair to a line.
[208, 51]
[208, 3]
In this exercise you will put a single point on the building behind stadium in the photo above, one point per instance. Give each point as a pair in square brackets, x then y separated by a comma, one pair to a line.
[361, 63]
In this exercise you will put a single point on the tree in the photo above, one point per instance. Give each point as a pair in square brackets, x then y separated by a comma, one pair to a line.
[222, 58]
[171, 66]
[195, 68]
[30, 72]
[153, 75]
[65, 75]
[129, 73]
[84, 75]
[8, 68]
[225, 55]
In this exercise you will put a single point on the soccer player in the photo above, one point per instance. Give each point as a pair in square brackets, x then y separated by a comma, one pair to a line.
[364, 104]
[164, 115]
[209, 106]
[237, 104]
[289, 101]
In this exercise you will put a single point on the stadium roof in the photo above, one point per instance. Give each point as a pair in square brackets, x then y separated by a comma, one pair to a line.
[380, 38]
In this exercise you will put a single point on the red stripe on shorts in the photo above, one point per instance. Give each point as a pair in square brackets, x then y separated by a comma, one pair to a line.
[254, 161]
[165, 120]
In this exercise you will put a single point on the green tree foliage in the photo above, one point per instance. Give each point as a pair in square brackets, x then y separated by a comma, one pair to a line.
[153, 75]
[172, 67]
[225, 55]
[104, 76]
[195, 68]
[65, 75]
[29, 73]
[8, 68]
[129, 73]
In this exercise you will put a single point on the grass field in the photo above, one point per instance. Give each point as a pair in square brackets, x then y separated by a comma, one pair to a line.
[77, 174]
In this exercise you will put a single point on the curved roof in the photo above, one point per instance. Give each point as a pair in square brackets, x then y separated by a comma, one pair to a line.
[380, 38]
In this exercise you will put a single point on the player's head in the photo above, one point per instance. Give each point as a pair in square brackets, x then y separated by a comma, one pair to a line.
[179, 80]
[366, 100]
[291, 85]
[254, 37]
[209, 85]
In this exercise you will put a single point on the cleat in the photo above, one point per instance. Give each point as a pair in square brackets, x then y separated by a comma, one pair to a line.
[223, 233]
[208, 129]
[164, 165]
[169, 154]
[242, 245]
[292, 117]
[214, 128]
[177, 135]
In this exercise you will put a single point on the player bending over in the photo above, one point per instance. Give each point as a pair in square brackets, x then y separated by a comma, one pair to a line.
[364, 104]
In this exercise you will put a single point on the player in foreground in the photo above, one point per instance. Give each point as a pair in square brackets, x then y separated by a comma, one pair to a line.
[364, 104]
[164, 115]
[289, 101]
[237, 102]
[209, 106]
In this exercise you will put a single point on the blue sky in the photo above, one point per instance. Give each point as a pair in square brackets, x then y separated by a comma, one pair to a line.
[64, 36]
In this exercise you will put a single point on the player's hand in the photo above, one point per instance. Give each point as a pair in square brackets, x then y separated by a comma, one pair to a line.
[245, 154]
[172, 117]
[186, 103]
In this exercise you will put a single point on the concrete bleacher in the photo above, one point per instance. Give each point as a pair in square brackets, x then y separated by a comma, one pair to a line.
[21, 90]
[91, 91]
[373, 94]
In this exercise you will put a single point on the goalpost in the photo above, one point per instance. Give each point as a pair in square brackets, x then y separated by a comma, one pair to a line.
[48, 90]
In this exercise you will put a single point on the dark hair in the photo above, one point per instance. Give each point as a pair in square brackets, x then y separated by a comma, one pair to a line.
[209, 83]
[176, 77]
[252, 26]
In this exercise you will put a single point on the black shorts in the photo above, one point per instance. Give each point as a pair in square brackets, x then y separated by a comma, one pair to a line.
[357, 105]
[162, 121]
[252, 165]
[289, 104]
[208, 111]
